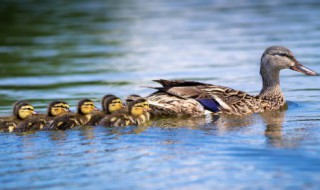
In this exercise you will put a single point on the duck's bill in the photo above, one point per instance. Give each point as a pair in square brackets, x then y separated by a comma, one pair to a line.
[300, 68]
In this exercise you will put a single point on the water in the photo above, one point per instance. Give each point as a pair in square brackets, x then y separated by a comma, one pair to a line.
[70, 50]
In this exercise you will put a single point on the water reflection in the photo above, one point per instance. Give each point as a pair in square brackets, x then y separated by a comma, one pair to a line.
[274, 122]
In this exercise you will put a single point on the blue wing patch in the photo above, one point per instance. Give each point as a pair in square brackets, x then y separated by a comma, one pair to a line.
[209, 104]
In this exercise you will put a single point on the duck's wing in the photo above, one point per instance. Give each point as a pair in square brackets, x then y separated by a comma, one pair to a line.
[118, 120]
[63, 122]
[96, 118]
[212, 97]
[171, 83]
[32, 124]
[7, 126]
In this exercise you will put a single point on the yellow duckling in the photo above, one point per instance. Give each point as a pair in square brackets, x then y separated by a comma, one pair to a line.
[136, 114]
[110, 104]
[22, 110]
[134, 97]
[82, 117]
[38, 122]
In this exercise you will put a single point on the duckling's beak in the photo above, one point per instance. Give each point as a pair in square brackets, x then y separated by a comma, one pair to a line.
[34, 113]
[300, 68]
[146, 109]
[95, 108]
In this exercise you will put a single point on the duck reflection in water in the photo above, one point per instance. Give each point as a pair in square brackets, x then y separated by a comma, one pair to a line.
[274, 122]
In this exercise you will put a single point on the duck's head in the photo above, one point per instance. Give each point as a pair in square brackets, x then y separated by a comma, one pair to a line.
[86, 106]
[132, 97]
[22, 110]
[139, 107]
[276, 58]
[111, 103]
[57, 108]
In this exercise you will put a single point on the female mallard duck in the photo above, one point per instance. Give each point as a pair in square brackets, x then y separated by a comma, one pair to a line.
[37, 122]
[70, 120]
[22, 110]
[110, 104]
[191, 98]
[134, 115]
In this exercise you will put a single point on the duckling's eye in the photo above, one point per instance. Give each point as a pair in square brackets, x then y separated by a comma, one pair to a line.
[29, 109]
[88, 104]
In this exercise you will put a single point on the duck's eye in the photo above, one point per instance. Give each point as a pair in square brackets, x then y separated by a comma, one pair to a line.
[29, 109]
[88, 104]
[282, 54]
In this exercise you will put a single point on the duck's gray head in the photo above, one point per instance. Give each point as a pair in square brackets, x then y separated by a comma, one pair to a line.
[276, 58]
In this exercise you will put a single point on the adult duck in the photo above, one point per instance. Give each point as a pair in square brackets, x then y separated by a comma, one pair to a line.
[189, 98]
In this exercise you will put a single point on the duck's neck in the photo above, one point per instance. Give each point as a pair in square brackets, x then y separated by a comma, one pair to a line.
[271, 85]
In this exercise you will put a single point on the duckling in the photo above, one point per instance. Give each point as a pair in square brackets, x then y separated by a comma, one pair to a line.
[110, 104]
[134, 97]
[37, 122]
[22, 110]
[134, 115]
[82, 117]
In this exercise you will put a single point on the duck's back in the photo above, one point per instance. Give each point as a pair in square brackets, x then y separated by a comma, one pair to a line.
[117, 120]
[96, 117]
[188, 98]
[66, 121]
[32, 124]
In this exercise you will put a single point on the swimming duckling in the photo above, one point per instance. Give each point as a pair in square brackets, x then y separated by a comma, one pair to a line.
[82, 117]
[22, 110]
[136, 114]
[134, 97]
[37, 122]
[110, 104]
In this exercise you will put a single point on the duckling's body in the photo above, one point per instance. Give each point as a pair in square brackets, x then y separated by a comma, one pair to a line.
[70, 120]
[110, 104]
[189, 98]
[136, 114]
[22, 111]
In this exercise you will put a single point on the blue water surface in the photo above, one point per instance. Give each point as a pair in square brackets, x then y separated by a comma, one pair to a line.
[75, 49]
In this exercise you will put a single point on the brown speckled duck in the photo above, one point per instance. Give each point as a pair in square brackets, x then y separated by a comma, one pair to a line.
[136, 114]
[82, 117]
[22, 111]
[110, 104]
[189, 98]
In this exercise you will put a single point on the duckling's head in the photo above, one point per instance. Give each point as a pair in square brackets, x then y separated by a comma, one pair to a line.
[86, 106]
[111, 103]
[276, 58]
[132, 97]
[57, 108]
[138, 107]
[23, 110]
